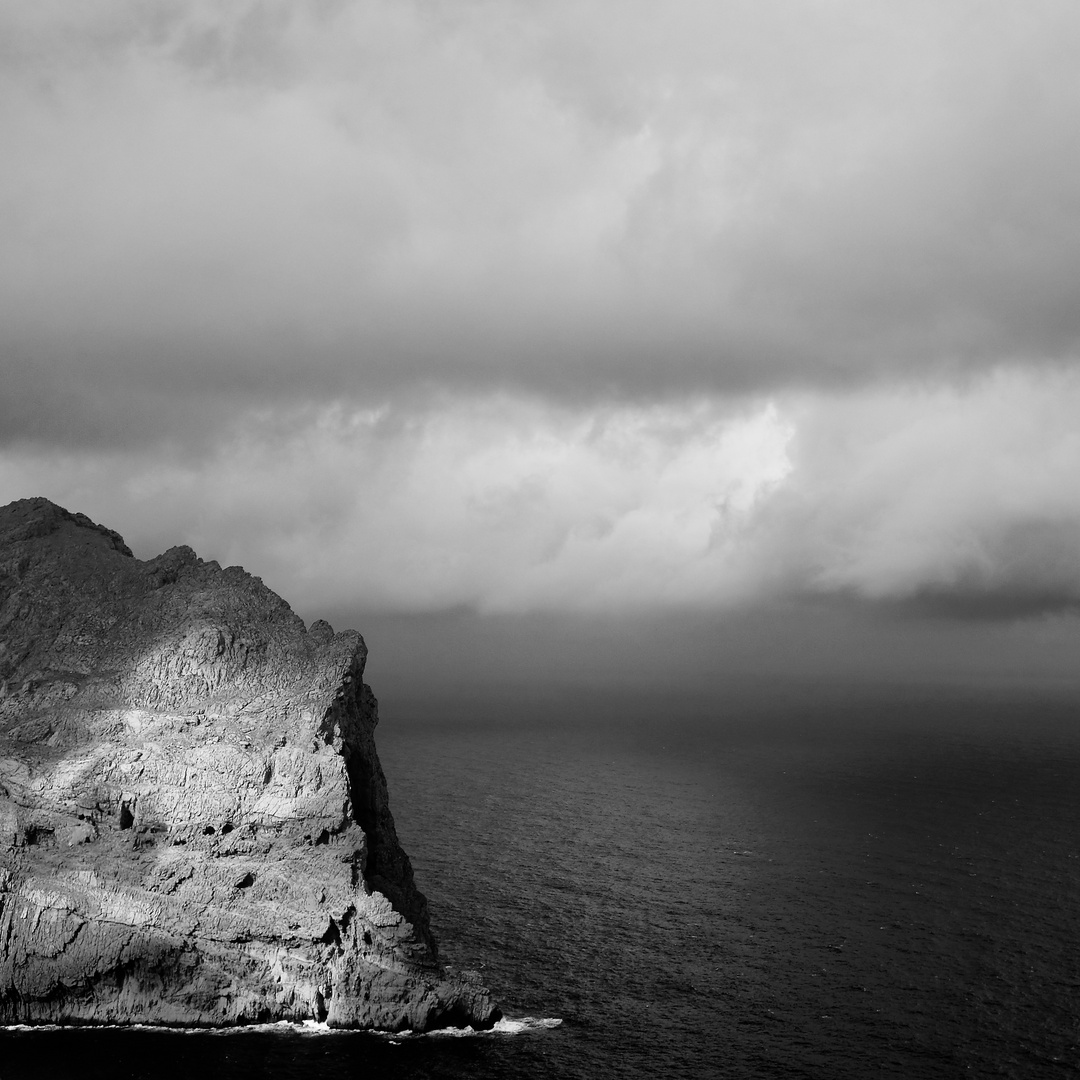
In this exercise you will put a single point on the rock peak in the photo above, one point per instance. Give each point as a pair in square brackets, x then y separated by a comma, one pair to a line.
[26, 519]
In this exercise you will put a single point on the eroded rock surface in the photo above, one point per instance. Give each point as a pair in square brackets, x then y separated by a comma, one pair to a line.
[194, 826]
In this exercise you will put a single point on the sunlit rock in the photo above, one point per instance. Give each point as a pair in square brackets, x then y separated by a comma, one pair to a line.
[194, 825]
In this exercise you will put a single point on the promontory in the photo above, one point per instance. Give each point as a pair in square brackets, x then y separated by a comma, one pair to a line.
[194, 826]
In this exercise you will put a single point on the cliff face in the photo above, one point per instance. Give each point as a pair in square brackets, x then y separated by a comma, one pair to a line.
[194, 826]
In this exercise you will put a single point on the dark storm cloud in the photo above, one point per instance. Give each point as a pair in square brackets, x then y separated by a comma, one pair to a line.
[579, 200]
[1026, 568]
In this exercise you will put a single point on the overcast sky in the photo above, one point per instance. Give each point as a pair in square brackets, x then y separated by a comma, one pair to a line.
[696, 314]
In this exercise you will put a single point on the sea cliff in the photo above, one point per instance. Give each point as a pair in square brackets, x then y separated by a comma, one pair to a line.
[194, 825]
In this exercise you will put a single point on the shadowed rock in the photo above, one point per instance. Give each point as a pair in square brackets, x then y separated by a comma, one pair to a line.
[194, 826]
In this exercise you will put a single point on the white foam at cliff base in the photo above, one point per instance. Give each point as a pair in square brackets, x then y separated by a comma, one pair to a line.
[506, 1026]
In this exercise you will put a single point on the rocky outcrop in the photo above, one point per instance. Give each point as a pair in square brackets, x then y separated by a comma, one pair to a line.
[194, 826]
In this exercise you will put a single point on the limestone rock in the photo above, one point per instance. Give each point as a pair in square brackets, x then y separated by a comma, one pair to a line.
[194, 826]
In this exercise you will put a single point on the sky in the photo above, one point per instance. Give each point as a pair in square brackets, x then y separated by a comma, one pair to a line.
[592, 342]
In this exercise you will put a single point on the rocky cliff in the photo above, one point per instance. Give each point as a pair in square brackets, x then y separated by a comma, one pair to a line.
[194, 826]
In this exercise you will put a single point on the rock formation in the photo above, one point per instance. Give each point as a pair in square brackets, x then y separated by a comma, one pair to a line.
[194, 825]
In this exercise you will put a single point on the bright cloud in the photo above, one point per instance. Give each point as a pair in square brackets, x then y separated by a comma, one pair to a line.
[500, 504]
[966, 494]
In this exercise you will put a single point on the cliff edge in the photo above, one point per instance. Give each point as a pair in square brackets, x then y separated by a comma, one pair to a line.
[194, 826]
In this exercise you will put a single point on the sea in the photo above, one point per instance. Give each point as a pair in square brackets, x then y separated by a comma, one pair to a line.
[802, 883]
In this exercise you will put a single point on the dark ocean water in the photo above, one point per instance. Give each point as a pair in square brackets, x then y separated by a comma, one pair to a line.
[873, 888]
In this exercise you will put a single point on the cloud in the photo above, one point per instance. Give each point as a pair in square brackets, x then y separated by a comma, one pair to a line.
[520, 307]
[206, 207]
[956, 497]
[498, 504]
[959, 500]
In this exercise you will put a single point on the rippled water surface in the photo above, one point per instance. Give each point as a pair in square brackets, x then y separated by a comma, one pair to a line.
[862, 890]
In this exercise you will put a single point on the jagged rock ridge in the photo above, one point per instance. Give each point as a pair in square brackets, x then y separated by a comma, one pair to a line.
[194, 826]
